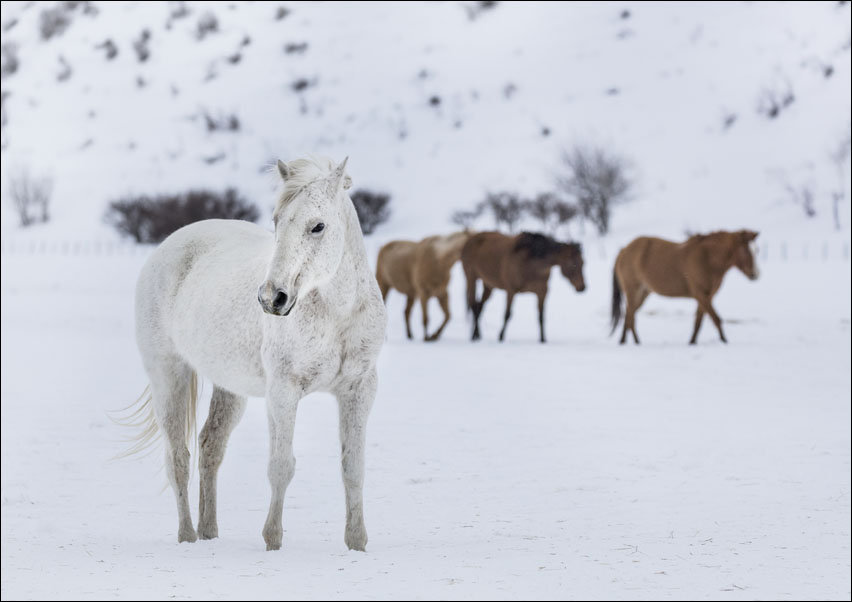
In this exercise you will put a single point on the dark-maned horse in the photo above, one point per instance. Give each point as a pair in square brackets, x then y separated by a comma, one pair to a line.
[694, 268]
[517, 264]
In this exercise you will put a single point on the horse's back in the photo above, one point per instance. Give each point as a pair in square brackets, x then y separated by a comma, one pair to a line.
[655, 263]
[483, 255]
[197, 290]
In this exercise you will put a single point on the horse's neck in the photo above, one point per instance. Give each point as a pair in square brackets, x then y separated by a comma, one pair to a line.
[719, 253]
[451, 253]
[349, 281]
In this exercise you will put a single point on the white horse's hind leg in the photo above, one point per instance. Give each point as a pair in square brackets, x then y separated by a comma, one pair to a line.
[354, 403]
[282, 400]
[226, 410]
[171, 390]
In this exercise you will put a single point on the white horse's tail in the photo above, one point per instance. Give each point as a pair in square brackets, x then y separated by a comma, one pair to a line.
[143, 419]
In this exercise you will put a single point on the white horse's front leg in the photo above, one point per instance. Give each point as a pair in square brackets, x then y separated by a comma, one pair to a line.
[355, 398]
[282, 400]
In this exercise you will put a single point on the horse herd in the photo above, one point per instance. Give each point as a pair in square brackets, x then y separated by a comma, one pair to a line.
[522, 264]
[317, 321]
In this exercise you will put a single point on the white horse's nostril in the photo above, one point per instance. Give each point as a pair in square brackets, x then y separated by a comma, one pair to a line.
[280, 299]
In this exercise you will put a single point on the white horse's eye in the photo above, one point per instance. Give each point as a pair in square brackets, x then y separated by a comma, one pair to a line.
[318, 228]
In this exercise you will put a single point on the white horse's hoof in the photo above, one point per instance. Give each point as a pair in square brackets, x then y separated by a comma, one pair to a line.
[272, 536]
[208, 532]
[356, 539]
[187, 534]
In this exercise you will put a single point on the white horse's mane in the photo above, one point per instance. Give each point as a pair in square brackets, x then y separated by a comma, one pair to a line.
[302, 172]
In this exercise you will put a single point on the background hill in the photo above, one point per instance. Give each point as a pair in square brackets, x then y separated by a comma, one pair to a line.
[721, 109]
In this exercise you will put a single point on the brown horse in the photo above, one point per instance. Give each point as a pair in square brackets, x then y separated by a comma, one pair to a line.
[694, 268]
[420, 270]
[517, 264]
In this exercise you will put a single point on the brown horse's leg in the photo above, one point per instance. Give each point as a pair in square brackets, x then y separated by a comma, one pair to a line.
[409, 303]
[629, 294]
[424, 307]
[444, 300]
[510, 295]
[642, 295]
[477, 310]
[385, 288]
[541, 297]
[699, 316]
[705, 303]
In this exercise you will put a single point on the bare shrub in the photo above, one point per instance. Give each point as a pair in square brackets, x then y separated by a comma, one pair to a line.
[207, 24]
[506, 208]
[597, 181]
[109, 47]
[140, 46]
[53, 22]
[65, 70]
[372, 208]
[221, 122]
[466, 218]
[475, 9]
[295, 47]
[801, 194]
[775, 98]
[9, 61]
[150, 219]
[30, 197]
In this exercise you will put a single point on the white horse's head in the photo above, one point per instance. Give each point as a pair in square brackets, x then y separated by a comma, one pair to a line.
[310, 232]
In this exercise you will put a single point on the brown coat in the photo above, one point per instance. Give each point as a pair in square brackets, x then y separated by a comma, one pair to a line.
[420, 270]
[517, 264]
[694, 268]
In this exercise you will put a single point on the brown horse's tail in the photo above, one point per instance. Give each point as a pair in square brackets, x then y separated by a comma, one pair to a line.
[616, 302]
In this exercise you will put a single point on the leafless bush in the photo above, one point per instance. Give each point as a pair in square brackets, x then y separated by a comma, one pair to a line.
[65, 70]
[506, 208]
[550, 210]
[30, 197]
[597, 181]
[221, 122]
[179, 11]
[53, 21]
[4, 117]
[9, 61]
[466, 218]
[109, 47]
[207, 24]
[150, 219]
[475, 9]
[140, 46]
[295, 47]
[774, 99]
[802, 194]
[281, 12]
[372, 208]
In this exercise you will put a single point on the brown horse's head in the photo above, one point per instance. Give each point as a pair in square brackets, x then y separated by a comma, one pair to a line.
[744, 253]
[571, 264]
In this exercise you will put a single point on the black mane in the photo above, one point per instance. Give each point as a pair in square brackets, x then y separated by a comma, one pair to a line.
[537, 245]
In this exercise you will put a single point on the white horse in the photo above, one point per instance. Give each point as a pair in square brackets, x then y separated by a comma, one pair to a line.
[317, 323]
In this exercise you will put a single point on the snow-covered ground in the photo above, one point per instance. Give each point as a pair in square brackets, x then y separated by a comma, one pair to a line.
[577, 469]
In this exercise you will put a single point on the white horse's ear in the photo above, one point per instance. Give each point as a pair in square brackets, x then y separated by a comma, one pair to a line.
[283, 170]
[340, 177]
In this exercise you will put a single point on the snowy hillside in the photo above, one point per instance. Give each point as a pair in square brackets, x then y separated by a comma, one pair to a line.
[435, 103]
